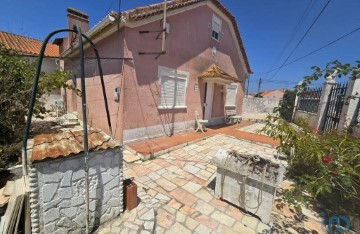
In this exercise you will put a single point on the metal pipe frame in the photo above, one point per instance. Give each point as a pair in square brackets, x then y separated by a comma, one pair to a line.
[83, 91]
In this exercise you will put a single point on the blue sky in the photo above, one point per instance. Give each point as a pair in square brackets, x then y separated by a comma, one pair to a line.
[265, 28]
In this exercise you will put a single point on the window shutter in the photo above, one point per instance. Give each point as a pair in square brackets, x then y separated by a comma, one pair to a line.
[231, 95]
[173, 89]
[180, 92]
[167, 91]
[216, 27]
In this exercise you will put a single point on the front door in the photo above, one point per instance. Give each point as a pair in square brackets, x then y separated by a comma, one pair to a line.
[208, 100]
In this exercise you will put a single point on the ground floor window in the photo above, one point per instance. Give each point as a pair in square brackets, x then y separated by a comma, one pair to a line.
[173, 85]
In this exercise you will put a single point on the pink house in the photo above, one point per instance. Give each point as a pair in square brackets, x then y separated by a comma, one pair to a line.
[202, 71]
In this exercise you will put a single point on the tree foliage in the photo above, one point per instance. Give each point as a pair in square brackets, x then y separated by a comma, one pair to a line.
[16, 80]
[331, 68]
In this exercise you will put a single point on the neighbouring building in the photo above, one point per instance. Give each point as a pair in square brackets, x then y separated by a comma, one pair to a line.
[29, 48]
[274, 93]
[203, 70]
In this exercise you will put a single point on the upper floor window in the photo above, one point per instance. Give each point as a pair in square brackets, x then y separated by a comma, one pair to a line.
[172, 88]
[216, 27]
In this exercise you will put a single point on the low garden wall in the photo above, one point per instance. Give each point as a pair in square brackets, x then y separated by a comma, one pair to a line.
[310, 118]
[57, 189]
[255, 105]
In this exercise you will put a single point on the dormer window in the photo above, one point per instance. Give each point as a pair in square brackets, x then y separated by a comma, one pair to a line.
[216, 27]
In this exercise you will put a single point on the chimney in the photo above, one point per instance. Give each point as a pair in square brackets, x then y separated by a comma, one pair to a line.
[76, 17]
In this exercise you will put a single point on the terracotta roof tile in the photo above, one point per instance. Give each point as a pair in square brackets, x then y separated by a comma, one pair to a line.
[215, 72]
[266, 92]
[69, 143]
[26, 45]
[156, 9]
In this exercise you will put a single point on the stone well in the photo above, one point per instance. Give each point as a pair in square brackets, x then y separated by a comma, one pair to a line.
[57, 182]
[248, 181]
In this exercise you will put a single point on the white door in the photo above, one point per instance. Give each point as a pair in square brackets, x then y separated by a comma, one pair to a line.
[208, 100]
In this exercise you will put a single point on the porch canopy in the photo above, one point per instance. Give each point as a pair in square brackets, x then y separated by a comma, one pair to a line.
[215, 74]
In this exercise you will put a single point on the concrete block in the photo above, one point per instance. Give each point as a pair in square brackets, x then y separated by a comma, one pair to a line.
[244, 182]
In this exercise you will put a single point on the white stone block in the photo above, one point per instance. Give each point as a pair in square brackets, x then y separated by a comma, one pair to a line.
[66, 180]
[69, 212]
[64, 193]
[51, 215]
[49, 191]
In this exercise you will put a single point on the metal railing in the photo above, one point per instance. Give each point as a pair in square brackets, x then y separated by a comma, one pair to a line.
[309, 100]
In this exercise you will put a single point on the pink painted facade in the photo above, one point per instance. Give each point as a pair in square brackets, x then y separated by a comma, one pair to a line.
[189, 48]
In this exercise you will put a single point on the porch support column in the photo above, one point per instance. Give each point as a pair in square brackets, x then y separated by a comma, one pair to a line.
[351, 107]
[324, 99]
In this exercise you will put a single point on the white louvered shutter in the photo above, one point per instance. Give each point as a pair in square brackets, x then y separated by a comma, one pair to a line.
[180, 92]
[167, 91]
[231, 95]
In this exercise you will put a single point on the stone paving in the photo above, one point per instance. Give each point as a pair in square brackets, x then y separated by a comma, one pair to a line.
[179, 187]
[254, 128]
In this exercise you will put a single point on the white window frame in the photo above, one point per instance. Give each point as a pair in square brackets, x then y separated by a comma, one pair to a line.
[233, 103]
[216, 20]
[176, 74]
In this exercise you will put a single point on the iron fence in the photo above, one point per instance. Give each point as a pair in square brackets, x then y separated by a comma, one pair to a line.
[336, 102]
[309, 100]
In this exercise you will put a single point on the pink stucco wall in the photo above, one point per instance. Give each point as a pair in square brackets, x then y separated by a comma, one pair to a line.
[188, 49]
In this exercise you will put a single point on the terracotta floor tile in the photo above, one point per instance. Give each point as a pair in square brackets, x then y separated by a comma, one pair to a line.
[179, 181]
[183, 196]
[205, 220]
[164, 219]
[141, 170]
[219, 204]
[162, 143]
[234, 212]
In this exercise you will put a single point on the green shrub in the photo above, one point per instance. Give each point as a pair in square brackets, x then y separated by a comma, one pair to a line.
[326, 167]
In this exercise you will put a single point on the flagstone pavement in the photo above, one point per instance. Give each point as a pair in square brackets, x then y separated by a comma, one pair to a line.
[176, 193]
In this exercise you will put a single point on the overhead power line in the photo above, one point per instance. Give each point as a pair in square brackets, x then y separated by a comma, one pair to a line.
[312, 52]
[107, 11]
[295, 31]
[302, 38]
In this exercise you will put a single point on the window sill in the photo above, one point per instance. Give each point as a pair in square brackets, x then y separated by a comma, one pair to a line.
[171, 107]
[230, 105]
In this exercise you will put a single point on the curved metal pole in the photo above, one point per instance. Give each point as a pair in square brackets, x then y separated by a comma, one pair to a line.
[34, 90]
[33, 97]
[102, 82]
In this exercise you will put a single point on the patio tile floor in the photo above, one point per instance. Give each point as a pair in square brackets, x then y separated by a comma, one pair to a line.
[160, 144]
[179, 186]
